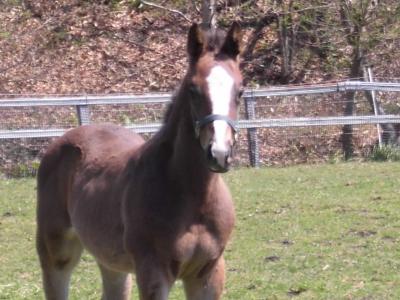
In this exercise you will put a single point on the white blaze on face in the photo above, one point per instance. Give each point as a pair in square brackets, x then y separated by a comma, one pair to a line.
[220, 85]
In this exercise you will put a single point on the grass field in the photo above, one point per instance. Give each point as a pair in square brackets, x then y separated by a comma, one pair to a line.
[306, 232]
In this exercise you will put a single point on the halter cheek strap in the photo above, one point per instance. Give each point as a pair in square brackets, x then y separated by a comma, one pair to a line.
[211, 118]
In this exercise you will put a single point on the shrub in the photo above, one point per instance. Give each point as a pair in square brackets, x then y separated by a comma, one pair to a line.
[385, 153]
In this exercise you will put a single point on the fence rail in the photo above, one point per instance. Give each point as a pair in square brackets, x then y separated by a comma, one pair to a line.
[84, 102]
[338, 87]
[242, 124]
[165, 97]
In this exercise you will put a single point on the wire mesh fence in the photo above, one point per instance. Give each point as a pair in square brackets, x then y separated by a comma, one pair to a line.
[283, 125]
[128, 115]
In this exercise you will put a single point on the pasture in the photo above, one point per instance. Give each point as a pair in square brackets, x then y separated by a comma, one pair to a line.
[306, 232]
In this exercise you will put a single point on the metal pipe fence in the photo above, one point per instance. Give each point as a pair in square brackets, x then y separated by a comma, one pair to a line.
[264, 109]
[165, 97]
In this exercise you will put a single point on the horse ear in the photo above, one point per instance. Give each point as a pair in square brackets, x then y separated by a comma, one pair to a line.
[233, 42]
[195, 44]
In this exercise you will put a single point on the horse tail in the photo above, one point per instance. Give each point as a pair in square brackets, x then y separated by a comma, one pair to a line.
[58, 154]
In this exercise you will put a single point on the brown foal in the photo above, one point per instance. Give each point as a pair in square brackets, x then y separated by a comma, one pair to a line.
[159, 209]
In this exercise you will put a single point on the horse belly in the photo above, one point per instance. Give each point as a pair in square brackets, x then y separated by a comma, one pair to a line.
[98, 223]
[113, 259]
[107, 248]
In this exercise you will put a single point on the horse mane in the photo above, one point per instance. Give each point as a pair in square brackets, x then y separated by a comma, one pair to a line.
[168, 113]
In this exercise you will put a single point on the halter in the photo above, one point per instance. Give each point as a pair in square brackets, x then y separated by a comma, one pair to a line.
[211, 118]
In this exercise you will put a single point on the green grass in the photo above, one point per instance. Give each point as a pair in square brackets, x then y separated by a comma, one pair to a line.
[306, 232]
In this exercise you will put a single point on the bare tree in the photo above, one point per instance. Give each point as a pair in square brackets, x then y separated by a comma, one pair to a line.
[287, 38]
[353, 27]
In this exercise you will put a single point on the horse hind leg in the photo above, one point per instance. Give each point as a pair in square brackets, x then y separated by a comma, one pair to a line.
[59, 253]
[58, 246]
[116, 285]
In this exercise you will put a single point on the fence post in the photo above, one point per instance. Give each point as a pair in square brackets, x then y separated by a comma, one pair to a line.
[368, 76]
[83, 113]
[252, 132]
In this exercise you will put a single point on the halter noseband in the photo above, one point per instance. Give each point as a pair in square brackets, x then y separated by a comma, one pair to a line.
[211, 118]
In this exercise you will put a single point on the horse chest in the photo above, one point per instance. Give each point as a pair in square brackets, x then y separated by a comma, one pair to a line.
[204, 240]
[196, 248]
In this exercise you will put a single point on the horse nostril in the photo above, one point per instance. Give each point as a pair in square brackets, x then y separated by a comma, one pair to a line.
[229, 158]
[219, 158]
[209, 152]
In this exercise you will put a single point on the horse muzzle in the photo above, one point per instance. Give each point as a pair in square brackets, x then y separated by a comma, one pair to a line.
[218, 151]
[219, 159]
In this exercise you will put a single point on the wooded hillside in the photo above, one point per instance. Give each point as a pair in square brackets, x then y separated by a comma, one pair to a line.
[134, 46]
[100, 46]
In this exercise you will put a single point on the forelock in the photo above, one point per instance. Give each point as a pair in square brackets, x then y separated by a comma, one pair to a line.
[214, 39]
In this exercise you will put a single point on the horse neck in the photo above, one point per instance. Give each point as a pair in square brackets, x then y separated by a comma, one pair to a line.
[187, 164]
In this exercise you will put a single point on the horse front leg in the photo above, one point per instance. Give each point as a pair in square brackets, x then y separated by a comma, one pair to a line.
[116, 285]
[207, 286]
[153, 280]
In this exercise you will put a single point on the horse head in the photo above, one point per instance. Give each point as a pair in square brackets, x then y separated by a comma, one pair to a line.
[215, 88]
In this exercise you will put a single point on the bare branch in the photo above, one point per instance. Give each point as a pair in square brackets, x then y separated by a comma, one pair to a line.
[255, 36]
[306, 9]
[174, 11]
[196, 8]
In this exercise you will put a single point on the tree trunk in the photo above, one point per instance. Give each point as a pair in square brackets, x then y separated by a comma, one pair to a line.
[353, 22]
[347, 131]
[286, 41]
[208, 13]
[284, 47]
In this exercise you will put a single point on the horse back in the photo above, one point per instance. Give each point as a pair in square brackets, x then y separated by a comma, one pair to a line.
[101, 146]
